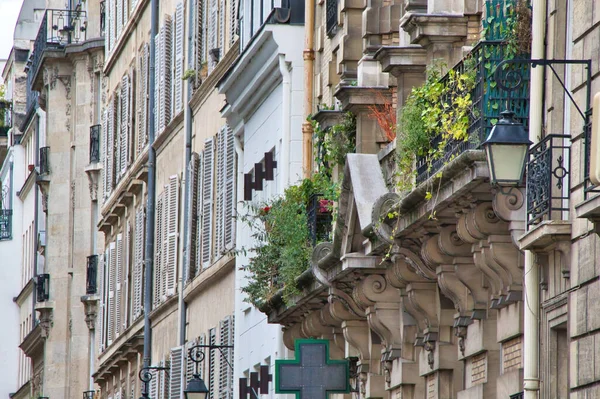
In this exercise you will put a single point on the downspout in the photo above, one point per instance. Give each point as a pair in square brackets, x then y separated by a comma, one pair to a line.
[531, 374]
[284, 68]
[186, 207]
[149, 244]
[309, 59]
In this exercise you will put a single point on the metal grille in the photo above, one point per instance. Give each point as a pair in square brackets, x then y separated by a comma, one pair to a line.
[489, 99]
[6, 224]
[43, 287]
[548, 179]
[91, 286]
[44, 160]
[331, 21]
[319, 218]
[95, 143]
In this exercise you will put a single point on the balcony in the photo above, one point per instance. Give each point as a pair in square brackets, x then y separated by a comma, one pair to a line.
[319, 217]
[102, 18]
[43, 287]
[6, 224]
[44, 161]
[488, 99]
[57, 29]
[91, 287]
[95, 144]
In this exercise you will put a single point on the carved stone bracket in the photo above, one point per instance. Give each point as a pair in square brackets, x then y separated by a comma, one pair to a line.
[44, 184]
[46, 317]
[93, 174]
[90, 307]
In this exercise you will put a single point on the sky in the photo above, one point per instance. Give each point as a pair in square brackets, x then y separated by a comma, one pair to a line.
[9, 11]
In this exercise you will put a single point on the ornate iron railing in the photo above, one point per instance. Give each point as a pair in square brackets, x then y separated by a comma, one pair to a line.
[43, 287]
[57, 29]
[94, 143]
[331, 17]
[488, 99]
[91, 287]
[44, 160]
[319, 218]
[6, 224]
[548, 179]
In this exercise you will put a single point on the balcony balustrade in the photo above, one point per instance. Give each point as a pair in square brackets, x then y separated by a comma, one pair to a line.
[95, 144]
[6, 224]
[43, 287]
[91, 286]
[44, 161]
[488, 99]
[319, 218]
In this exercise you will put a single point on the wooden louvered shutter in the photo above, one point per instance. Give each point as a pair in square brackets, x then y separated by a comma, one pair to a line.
[154, 387]
[212, 364]
[102, 305]
[133, 4]
[163, 382]
[192, 221]
[226, 359]
[110, 148]
[232, 21]
[230, 191]
[171, 237]
[176, 371]
[200, 37]
[125, 311]
[119, 282]
[158, 55]
[119, 17]
[222, 22]
[118, 136]
[207, 201]
[178, 60]
[138, 264]
[111, 292]
[125, 12]
[124, 129]
[105, 171]
[111, 22]
[158, 252]
[142, 100]
[190, 365]
[212, 30]
[131, 120]
[164, 82]
[199, 195]
[220, 194]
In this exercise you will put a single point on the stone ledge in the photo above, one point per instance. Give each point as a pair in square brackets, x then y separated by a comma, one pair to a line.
[545, 235]
[399, 60]
[590, 209]
[439, 28]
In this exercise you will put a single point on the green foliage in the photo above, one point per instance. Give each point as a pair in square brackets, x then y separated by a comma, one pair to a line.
[283, 246]
[332, 145]
[190, 73]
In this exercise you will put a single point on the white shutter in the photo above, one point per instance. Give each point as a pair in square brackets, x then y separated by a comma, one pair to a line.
[119, 281]
[105, 171]
[142, 100]
[178, 60]
[124, 130]
[111, 21]
[226, 359]
[133, 4]
[111, 293]
[131, 120]
[190, 365]
[125, 13]
[125, 311]
[222, 21]
[230, 191]
[119, 17]
[220, 194]
[118, 137]
[157, 294]
[138, 264]
[212, 30]
[163, 383]
[176, 372]
[198, 261]
[200, 34]
[207, 201]
[232, 21]
[164, 81]
[158, 56]
[192, 221]
[212, 365]
[154, 387]
[102, 305]
[171, 239]
[110, 148]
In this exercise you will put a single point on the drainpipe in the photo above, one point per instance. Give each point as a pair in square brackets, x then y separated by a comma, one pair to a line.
[149, 244]
[531, 379]
[309, 59]
[284, 68]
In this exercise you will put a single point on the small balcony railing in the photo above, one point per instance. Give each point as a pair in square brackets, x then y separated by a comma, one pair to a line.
[331, 17]
[57, 29]
[319, 218]
[94, 143]
[4, 131]
[548, 179]
[91, 287]
[43, 287]
[44, 161]
[6, 224]
[488, 100]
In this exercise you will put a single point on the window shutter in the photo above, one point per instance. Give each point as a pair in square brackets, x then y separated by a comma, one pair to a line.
[118, 136]
[178, 57]
[119, 281]
[105, 171]
[220, 197]
[199, 26]
[133, 4]
[131, 120]
[230, 192]
[125, 286]
[226, 359]
[154, 387]
[138, 278]
[111, 293]
[212, 366]
[222, 21]
[111, 25]
[158, 56]
[207, 201]
[125, 12]
[102, 305]
[192, 221]
[232, 21]
[199, 235]
[166, 38]
[171, 239]
[158, 251]
[190, 365]
[124, 131]
[163, 383]
[143, 100]
[212, 30]
[176, 371]
[110, 148]
[119, 17]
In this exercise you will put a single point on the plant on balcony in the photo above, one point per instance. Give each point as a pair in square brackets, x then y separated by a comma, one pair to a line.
[332, 144]
[436, 108]
[385, 115]
[283, 248]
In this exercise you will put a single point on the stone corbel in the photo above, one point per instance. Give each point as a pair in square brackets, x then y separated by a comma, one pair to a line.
[509, 206]
[507, 256]
[473, 279]
[422, 305]
[380, 215]
[90, 307]
[291, 334]
[46, 317]
[43, 183]
[93, 174]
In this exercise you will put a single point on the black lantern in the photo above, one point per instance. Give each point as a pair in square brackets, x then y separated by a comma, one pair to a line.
[196, 388]
[506, 148]
[88, 394]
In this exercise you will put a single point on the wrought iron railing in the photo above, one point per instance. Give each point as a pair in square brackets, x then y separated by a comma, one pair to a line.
[516, 395]
[4, 131]
[32, 96]
[488, 100]
[6, 224]
[94, 143]
[57, 29]
[548, 179]
[331, 17]
[319, 217]
[44, 160]
[43, 287]
[91, 287]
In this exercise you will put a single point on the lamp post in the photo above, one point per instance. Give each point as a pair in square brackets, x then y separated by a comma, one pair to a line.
[506, 148]
[146, 376]
[196, 388]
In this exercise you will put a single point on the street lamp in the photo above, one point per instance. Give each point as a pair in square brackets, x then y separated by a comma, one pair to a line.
[196, 388]
[506, 148]
[88, 394]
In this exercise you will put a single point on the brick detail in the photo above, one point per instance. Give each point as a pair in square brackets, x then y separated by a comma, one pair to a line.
[478, 368]
[512, 354]
[431, 386]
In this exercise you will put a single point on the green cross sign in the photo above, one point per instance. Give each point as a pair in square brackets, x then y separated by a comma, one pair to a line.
[312, 375]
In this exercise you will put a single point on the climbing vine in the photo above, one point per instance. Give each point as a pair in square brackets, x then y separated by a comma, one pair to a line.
[332, 144]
